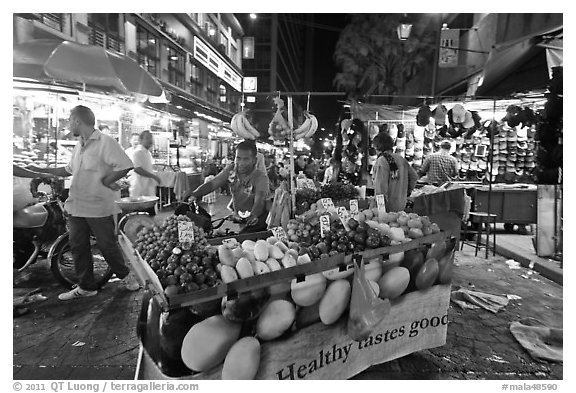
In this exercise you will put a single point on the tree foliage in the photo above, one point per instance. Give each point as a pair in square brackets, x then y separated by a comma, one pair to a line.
[374, 61]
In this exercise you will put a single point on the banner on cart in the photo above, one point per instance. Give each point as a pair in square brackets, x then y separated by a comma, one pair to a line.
[419, 321]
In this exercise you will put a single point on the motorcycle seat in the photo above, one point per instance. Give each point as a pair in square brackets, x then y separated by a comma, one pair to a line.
[33, 216]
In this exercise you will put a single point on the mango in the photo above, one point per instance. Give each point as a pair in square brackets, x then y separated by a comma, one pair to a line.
[248, 245]
[228, 274]
[242, 360]
[244, 268]
[275, 252]
[288, 261]
[260, 268]
[273, 264]
[261, 250]
[283, 247]
[226, 256]
[207, 343]
[335, 301]
[276, 317]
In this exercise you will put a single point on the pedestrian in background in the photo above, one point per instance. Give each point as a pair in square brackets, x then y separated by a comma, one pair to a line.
[143, 180]
[440, 167]
[392, 175]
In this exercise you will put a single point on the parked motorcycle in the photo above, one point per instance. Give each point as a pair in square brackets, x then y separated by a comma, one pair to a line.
[40, 232]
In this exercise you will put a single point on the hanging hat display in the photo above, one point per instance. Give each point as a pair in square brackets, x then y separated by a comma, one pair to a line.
[401, 132]
[423, 116]
[401, 143]
[374, 130]
[419, 133]
[468, 121]
[513, 117]
[439, 114]
[393, 131]
[458, 114]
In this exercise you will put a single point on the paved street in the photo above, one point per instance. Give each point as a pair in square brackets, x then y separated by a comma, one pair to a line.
[95, 338]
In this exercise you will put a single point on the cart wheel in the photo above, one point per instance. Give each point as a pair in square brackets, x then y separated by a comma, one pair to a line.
[62, 265]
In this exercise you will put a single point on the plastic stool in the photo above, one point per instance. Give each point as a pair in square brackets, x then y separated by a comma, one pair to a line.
[481, 218]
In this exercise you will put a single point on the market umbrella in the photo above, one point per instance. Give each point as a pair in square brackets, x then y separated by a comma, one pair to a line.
[79, 63]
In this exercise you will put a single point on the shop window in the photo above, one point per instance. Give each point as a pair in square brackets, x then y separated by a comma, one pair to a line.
[197, 80]
[105, 31]
[176, 67]
[223, 94]
[224, 43]
[147, 47]
[212, 89]
[248, 48]
[55, 21]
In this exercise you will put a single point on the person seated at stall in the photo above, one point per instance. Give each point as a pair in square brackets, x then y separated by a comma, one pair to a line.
[438, 168]
[249, 187]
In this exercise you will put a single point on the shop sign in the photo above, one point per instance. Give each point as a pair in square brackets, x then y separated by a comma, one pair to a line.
[211, 60]
[448, 57]
[250, 84]
[186, 232]
[280, 234]
[324, 225]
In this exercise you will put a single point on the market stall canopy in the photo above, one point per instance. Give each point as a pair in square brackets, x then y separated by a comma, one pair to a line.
[86, 64]
[520, 65]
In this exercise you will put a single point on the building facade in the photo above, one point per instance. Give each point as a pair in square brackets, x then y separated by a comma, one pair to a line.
[195, 56]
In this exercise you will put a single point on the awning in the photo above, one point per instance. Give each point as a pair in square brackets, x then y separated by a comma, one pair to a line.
[68, 61]
[515, 67]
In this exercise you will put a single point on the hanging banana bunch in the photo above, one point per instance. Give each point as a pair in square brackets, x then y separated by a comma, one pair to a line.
[242, 127]
[307, 128]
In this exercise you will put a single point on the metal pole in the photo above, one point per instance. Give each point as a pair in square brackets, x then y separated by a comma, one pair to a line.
[491, 159]
[436, 60]
[292, 171]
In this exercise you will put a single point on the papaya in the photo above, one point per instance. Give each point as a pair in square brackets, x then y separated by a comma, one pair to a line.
[207, 343]
[309, 291]
[228, 274]
[273, 264]
[276, 318]
[334, 301]
[242, 360]
[393, 283]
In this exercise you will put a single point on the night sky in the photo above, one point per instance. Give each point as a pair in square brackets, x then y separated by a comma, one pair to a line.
[326, 109]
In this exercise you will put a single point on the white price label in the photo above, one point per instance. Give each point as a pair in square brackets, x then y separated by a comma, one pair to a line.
[344, 217]
[230, 243]
[324, 224]
[381, 205]
[280, 234]
[354, 206]
[327, 203]
[186, 232]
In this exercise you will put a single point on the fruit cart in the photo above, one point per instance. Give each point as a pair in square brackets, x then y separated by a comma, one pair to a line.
[309, 348]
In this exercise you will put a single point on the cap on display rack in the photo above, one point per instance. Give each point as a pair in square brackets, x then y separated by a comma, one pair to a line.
[459, 114]
[439, 114]
[423, 116]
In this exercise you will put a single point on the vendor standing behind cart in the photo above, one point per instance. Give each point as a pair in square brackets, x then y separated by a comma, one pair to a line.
[143, 180]
[440, 167]
[248, 185]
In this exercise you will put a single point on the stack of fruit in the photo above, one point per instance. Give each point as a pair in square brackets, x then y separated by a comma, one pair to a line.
[180, 267]
[279, 130]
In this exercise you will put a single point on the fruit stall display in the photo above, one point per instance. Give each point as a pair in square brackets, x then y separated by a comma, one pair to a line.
[229, 309]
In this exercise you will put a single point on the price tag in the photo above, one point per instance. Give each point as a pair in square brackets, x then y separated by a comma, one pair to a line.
[327, 203]
[186, 232]
[324, 224]
[280, 234]
[344, 217]
[354, 206]
[230, 243]
[381, 205]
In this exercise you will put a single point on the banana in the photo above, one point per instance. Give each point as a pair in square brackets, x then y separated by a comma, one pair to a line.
[313, 128]
[305, 126]
[237, 127]
[242, 127]
[248, 127]
[234, 124]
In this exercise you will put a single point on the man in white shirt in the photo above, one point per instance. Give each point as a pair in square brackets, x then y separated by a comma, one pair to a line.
[143, 180]
[97, 163]
[134, 142]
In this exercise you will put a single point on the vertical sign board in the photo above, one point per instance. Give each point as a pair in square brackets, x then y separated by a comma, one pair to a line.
[449, 44]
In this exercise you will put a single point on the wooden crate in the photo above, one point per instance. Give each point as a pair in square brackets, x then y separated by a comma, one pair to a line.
[417, 321]
[299, 272]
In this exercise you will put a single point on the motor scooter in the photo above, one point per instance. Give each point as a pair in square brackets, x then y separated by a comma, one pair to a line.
[40, 232]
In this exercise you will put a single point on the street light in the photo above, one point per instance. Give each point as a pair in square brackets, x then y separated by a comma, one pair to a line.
[253, 16]
[403, 31]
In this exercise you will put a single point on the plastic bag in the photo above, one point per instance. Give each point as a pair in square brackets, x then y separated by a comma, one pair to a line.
[366, 309]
